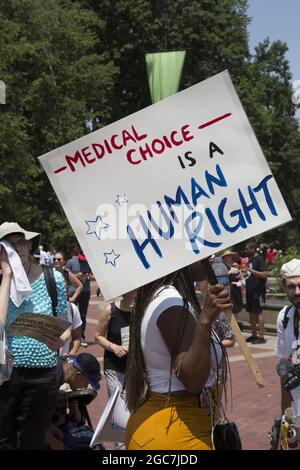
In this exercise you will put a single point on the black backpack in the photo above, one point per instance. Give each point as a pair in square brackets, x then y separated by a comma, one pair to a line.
[285, 320]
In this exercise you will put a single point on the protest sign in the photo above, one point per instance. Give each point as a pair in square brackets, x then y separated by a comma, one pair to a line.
[125, 336]
[44, 328]
[166, 186]
[113, 421]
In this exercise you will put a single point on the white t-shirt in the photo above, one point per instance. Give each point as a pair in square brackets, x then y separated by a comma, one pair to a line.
[75, 319]
[286, 342]
[50, 257]
[286, 345]
[156, 354]
[43, 257]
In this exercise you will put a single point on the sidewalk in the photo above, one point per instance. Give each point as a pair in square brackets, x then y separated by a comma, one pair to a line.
[253, 409]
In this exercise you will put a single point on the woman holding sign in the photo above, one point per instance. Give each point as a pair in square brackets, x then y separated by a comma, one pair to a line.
[28, 398]
[174, 363]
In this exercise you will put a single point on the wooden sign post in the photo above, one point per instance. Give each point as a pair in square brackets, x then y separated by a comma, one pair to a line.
[246, 350]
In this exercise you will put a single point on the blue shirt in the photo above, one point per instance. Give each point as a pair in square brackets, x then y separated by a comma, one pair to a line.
[29, 352]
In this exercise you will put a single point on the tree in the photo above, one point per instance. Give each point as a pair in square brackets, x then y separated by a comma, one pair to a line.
[266, 92]
[216, 38]
[213, 33]
[58, 87]
[75, 65]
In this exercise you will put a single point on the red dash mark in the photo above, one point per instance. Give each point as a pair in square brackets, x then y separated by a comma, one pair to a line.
[209, 123]
[63, 168]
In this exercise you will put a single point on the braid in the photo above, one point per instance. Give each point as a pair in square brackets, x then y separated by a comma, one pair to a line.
[185, 286]
[135, 377]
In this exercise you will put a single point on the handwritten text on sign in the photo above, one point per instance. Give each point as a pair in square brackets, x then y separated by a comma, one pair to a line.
[166, 186]
[96, 151]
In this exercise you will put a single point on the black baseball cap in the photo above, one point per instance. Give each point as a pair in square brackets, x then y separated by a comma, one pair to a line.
[89, 366]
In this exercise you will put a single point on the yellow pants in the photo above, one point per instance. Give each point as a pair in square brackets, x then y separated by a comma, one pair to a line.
[178, 425]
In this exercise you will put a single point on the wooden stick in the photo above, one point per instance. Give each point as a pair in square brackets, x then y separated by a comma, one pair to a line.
[246, 350]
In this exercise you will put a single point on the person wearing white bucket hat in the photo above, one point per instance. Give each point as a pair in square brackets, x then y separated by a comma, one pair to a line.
[288, 336]
[28, 398]
[10, 228]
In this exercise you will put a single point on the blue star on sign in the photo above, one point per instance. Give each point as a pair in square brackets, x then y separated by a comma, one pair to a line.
[111, 258]
[95, 226]
[121, 199]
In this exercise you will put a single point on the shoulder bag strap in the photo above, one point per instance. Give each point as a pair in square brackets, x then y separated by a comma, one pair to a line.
[51, 287]
[285, 320]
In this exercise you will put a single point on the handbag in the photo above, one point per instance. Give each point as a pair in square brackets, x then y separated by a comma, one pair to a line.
[226, 436]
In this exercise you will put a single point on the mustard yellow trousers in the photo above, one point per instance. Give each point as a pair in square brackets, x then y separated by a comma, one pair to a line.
[179, 424]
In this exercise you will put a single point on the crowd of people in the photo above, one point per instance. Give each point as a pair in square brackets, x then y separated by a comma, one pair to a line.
[165, 346]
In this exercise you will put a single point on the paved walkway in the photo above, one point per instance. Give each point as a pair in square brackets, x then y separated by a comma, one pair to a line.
[253, 408]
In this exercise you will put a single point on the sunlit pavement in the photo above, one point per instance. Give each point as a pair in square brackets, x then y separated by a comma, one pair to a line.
[253, 408]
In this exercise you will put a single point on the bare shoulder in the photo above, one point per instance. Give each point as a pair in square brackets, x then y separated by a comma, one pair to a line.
[105, 311]
[171, 315]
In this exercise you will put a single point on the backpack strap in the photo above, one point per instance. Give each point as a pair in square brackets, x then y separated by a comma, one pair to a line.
[296, 324]
[51, 286]
[285, 320]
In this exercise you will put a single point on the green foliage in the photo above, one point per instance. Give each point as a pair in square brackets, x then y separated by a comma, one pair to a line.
[70, 65]
[213, 33]
[56, 81]
[265, 90]
[215, 36]
[290, 253]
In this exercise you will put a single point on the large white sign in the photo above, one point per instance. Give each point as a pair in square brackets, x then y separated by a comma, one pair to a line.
[166, 186]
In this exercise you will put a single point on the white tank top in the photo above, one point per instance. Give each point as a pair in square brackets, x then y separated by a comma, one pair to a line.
[156, 354]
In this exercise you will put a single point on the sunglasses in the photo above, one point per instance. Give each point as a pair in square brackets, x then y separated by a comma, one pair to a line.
[58, 259]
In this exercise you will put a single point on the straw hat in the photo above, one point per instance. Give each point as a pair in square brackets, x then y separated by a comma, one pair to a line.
[8, 228]
[228, 252]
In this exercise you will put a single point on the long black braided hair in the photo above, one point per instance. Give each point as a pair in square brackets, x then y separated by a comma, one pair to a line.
[135, 377]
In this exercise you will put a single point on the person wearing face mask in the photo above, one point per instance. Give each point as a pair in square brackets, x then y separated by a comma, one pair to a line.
[28, 398]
